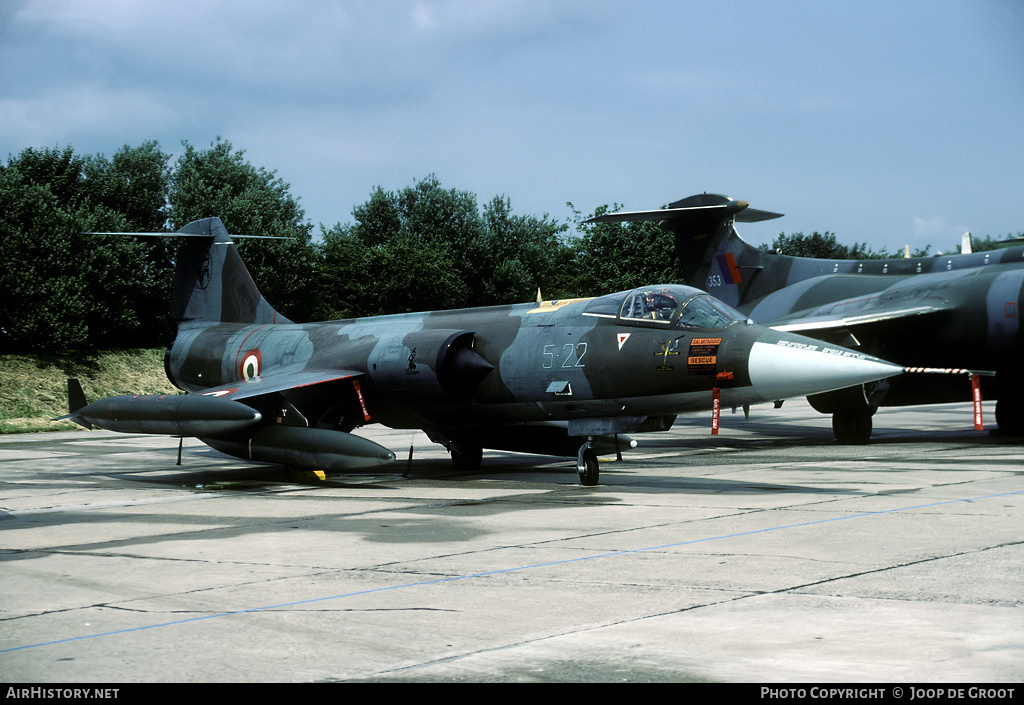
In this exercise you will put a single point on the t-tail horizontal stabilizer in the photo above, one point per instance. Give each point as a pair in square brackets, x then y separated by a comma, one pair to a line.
[211, 283]
[695, 209]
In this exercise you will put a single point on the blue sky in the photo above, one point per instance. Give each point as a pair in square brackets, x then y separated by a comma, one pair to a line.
[896, 122]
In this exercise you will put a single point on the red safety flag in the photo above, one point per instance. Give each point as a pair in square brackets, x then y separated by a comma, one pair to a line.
[716, 410]
[362, 401]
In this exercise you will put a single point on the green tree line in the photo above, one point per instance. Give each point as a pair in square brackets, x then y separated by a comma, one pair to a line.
[422, 247]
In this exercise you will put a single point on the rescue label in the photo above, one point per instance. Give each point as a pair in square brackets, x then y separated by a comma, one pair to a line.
[703, 357]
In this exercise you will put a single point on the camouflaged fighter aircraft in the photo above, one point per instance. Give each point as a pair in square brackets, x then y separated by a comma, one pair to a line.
[560, 377]
[953, 313]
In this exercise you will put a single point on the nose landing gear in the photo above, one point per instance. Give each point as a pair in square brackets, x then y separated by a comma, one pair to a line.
[586, 465]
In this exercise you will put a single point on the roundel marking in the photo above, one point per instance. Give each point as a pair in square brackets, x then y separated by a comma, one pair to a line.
[252, 361]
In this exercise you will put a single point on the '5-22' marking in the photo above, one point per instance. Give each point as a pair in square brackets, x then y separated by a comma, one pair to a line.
[570, 355]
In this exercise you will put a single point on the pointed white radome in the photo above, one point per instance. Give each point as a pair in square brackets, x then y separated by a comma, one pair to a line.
[796, 366]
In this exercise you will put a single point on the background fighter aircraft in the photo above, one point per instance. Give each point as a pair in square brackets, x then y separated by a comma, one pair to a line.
[560, 377]
[950, 311]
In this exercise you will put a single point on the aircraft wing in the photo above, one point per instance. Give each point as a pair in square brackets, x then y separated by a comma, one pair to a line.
[278, 383]
[297, 444]
[807, 323]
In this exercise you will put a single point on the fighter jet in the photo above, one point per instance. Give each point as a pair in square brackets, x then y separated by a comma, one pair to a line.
[566, 378]
[951, 313]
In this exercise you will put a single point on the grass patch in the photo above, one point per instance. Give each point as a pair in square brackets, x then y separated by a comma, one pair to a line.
[33, 388]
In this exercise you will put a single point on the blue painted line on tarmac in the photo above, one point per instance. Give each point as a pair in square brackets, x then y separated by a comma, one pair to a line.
[454, 578]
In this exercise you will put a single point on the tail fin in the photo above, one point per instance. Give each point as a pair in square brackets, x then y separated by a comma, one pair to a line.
[76, 396]
[211, 283]
[712, 255]
[76, 402]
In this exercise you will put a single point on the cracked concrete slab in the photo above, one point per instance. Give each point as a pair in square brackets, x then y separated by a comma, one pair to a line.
[766, 554]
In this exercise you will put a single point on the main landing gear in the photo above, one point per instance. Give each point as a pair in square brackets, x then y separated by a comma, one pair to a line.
[467, 458]
[852, 427]
[1010, 415]
[851, 409]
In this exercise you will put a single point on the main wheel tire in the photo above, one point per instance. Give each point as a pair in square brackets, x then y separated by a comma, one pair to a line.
[467, 459]
[1010, 416]
[852, 428]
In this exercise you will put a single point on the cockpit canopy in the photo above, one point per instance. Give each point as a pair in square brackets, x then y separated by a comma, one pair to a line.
[667, 305]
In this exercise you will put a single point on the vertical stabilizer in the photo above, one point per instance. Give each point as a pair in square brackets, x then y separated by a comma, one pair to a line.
[211, 283]
[712, 255]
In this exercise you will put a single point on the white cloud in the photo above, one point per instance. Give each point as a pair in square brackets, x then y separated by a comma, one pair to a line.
[424, 17]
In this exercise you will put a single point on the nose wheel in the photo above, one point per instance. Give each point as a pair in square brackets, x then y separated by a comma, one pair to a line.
[586, 465]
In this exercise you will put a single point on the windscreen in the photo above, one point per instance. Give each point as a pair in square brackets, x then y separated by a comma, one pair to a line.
[705, 312]
[663, 303]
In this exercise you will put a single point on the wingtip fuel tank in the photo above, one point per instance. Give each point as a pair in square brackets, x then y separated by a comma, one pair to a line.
[174, 414]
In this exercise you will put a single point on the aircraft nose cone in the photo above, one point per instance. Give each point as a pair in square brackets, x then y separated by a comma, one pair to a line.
[786, 365]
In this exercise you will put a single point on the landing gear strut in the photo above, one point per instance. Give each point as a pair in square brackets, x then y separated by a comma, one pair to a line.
[586, 465]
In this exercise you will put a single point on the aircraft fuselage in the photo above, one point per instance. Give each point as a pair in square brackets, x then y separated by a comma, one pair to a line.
[504, 365]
